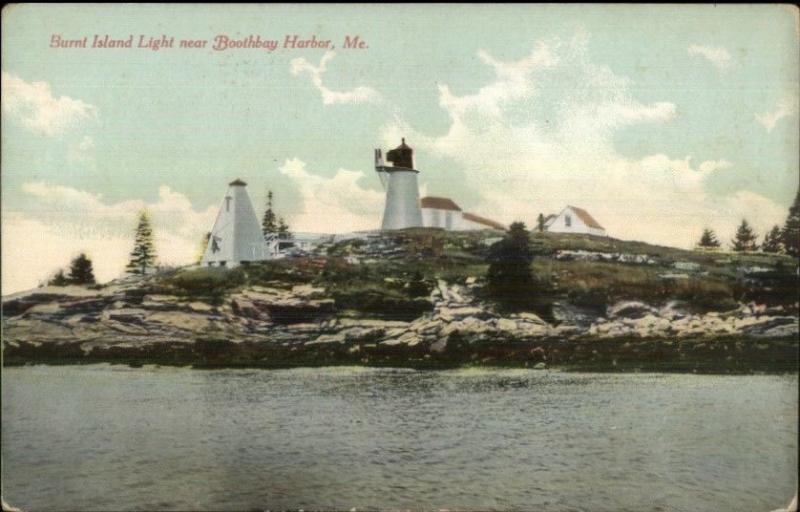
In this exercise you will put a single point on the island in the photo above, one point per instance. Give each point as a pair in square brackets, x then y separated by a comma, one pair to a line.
[418, 298]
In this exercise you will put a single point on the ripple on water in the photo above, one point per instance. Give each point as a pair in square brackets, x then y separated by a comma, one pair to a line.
[113, 437]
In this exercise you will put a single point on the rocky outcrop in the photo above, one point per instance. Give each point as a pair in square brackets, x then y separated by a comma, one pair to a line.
[264, 326]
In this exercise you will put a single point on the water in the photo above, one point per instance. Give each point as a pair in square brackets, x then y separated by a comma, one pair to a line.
[111, 438]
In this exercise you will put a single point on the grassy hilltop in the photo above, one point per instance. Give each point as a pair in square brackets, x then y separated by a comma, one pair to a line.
[587, 271]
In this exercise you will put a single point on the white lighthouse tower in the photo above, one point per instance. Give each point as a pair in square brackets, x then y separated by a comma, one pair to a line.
[236, 237]
[402, 208]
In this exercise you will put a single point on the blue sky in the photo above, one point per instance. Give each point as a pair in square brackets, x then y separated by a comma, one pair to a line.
[660, 120]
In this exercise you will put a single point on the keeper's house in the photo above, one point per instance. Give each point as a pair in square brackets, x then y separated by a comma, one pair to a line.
[442, 212]
[574, 220]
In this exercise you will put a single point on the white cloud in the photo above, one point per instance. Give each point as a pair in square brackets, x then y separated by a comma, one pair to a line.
[786, 107]
[34, 105]
[714, 165]
[716, 55]
[332, 205]
[360, 94]
[526, 153]
[68, 221]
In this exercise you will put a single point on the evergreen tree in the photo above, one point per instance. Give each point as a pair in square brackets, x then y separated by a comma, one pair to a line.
[745, 239]
[790, 235]
[80, 270]
[283, 230]
[540, 223]
[59, 279]
[708, 240]
[269, 224]
[144, 252]
[773, 241]
[509, 278]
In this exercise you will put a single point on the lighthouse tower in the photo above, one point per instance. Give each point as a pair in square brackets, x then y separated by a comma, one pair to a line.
[236, 237]
[402, 208]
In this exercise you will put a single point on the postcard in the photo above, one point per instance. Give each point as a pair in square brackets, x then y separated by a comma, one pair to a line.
[400, 257]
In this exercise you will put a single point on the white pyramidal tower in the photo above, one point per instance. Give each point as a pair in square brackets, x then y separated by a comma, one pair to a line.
[236, 237]
[402, 208]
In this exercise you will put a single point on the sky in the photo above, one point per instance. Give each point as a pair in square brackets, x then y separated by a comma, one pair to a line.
[659, 120]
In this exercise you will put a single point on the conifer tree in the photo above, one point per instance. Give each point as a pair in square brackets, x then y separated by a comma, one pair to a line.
[81, 271]
[540, 223]
[509, 278]
[790, 235]
[773, 241]
[144, 252]
[745, 239]
[59, 279]
[283, 229]
[708, 240]
[269, 224]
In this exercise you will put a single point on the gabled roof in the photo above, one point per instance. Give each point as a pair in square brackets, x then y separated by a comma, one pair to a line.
[439, 203]
[482, 220]
[585, 217]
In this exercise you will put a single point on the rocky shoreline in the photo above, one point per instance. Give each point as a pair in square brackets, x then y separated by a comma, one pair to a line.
[281, 326]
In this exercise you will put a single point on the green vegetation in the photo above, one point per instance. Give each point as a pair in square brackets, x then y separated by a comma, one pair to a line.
[269, 223]
[208, 283]
[745, 239]
[80, 273]
[397, 282]
[708, 240]
[773, 241]
[790, 235]
[509, 280]
[143, 255]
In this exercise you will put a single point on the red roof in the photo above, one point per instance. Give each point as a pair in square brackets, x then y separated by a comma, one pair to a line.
[481, 220]
[586, 218]
[439, 203]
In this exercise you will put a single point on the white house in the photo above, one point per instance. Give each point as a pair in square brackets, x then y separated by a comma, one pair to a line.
[236, 237]
[442, 212]
[574, 220]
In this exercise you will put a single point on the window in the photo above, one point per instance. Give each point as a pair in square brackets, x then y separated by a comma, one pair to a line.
[567, 221]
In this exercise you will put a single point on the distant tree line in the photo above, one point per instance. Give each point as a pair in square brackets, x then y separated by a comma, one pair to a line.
[784, 240]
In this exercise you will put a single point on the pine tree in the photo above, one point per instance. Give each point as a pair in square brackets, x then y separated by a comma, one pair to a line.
[773, 241]
[540, 223]
[144, 252]
[269, 223]
[790, 235]
[708, 240]
[283, 230]
[80, 270]
[509, 278]
[745, 239]
[59, 279]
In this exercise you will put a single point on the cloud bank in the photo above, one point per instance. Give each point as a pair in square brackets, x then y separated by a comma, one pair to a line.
[37, 109]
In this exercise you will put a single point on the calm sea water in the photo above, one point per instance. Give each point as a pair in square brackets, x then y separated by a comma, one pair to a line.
[112, 438]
